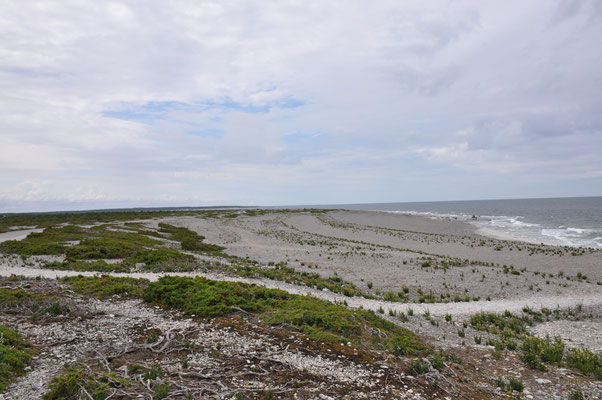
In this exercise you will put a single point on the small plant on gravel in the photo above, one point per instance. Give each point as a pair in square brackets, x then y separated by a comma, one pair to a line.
[501, 383]
[154, 373]
[437, 362]
[515, 385]
[369, 284]
[161, 391]
[576, 394]
[477, 339]
[419, 367]
[448, 317]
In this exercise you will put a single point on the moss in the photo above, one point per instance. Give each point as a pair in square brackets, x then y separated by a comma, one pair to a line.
[87, 266]
[106, 286]
[15, 353]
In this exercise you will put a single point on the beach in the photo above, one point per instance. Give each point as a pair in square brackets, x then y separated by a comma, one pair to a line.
[436, 272]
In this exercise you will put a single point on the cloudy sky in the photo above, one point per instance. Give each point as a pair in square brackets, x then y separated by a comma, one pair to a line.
[155, 103]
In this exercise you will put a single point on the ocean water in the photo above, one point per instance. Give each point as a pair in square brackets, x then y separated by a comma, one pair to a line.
[573, 221]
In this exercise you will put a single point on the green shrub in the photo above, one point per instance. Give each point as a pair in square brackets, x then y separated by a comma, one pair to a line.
[419, 367]
[321, 320]
[189, 240]
[537, 351]
[15, 353]
[515, 384]
[106, 286]
[586, 361]
[576, 394]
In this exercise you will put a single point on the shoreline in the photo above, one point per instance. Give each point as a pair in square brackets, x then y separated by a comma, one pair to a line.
[490, 232]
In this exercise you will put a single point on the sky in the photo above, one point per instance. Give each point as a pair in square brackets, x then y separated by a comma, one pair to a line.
[199, 103]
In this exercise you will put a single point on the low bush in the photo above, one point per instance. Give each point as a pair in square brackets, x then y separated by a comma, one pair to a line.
[106, 286]
[15, 353]
[321, 320]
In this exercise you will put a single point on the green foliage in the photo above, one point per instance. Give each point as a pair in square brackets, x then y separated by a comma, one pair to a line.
[419, 367]
[106, 286]
[161, 391]
[287, 274]
[585, 361]
[15, 300]
[498, 323]
[70, 385]
[94, 243]
[15, 353]
[437, 362]
[576, 394]
[188, 239]
[321, 320]
[536, 351]
[207, 298]
[515, 384]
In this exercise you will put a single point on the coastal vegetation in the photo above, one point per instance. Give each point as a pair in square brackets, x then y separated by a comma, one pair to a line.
[15, 354]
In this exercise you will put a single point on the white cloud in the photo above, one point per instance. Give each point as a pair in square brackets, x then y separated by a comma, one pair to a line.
[210, 94]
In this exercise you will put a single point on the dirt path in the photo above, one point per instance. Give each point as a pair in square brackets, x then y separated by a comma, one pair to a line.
[459, 310]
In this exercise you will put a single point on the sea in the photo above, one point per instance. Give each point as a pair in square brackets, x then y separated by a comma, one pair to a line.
[575, 221]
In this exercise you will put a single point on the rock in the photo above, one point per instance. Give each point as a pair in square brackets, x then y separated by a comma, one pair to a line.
[543, 381]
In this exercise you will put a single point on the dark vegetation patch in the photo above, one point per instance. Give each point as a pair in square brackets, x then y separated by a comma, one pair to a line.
[189, 240]
[321, 320]
[38, 305]
[93, 243]
[76, 381]
[106, 286]
[15, 353]
[534, 351]
[281, 272]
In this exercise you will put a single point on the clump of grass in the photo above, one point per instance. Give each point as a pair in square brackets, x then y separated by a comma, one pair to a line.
[39, 305]
[106, 286]
[498, 323]
[537, 351]
[515, 385]
[576, 394]
[321, 320]
[586, 361]
[289, 275]
[71, 385]
[15, 353]
[419, 367]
